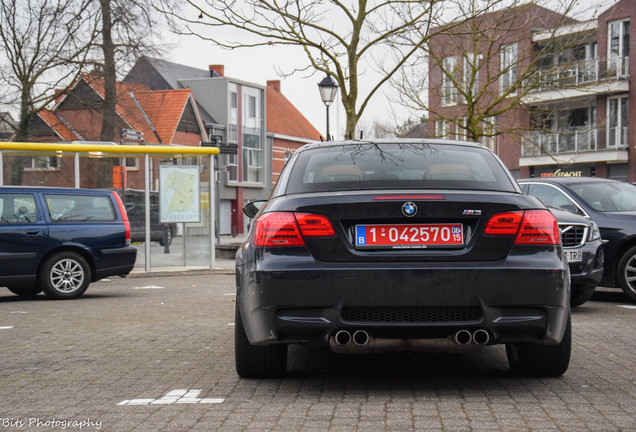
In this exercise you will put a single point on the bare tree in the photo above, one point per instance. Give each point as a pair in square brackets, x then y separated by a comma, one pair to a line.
[44, 44]
[483, 65]
[127, 29]
[338, 38]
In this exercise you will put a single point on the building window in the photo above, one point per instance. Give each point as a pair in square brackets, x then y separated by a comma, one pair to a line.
[232, 160]
[471, 75]
[508, 76]
[617, 122]
[618, 48]
[44, 163]
[253, 160]
[449, 90]
[442, 130]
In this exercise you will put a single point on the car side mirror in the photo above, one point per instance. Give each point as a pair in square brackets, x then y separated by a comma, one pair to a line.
[251, 209]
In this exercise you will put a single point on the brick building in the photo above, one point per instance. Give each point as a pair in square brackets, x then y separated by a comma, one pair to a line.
[573, 110]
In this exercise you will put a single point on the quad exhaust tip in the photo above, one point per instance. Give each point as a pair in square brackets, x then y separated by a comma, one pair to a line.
[361, 338]
[463, 337]
[343, 337]
[481, 337]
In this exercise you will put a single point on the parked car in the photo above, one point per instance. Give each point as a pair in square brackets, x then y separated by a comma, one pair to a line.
[583, 248]
[609, 203]
[401, 245]
[59, 240]
[134, 200]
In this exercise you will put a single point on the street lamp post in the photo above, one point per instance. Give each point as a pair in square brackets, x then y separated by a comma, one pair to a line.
[328, 89]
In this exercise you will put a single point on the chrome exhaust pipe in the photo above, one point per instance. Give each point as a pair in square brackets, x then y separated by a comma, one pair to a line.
[463, 337]
[481, 337]
[361, 337]
[343, 337]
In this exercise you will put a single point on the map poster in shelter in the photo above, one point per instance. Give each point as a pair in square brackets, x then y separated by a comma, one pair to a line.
[179, 197]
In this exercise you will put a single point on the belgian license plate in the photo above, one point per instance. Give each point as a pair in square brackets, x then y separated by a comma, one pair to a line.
[574, 255]
[409, 236]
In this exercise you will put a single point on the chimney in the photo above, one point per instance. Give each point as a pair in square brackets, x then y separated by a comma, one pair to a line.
[275, 84]
[219, 69]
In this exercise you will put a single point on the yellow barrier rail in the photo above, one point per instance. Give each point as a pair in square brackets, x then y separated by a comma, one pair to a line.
[109, 148]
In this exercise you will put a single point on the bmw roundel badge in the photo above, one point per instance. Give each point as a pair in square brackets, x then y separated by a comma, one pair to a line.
[409, 209]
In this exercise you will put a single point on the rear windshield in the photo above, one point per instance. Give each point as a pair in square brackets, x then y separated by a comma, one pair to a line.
[397, 166]
[80, 208]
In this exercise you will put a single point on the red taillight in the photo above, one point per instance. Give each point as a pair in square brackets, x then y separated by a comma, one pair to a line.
[124, 216]
[284, 229]
[528, 227]
[312, 225]
[504, 224]
[538, 227]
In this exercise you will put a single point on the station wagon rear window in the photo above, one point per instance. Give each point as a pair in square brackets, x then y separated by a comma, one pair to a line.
[397, 166]
[80, 208]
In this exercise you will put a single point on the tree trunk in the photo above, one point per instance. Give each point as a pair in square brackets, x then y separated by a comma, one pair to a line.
[109, 119]
[110, 75]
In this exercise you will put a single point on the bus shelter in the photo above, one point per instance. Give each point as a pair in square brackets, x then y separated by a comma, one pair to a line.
[168, 186]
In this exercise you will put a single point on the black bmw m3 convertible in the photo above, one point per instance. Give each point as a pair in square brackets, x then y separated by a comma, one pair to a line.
[401, 245]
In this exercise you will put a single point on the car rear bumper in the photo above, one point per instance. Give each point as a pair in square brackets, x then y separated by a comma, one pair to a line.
[115, 261]
[294, 300]
[590, 270]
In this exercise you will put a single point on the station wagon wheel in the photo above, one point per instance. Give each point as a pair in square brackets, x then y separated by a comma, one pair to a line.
[627, 273]
[64, 275]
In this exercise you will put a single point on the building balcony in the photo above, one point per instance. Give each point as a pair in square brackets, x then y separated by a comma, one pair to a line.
[575, 145]
[568, 76]
[578, 80]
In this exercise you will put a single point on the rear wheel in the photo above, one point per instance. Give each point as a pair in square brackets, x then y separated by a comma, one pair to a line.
[166, 237]
[257, 361]
[26, 290]
[627, 273]
[64, 275]
[541, 360]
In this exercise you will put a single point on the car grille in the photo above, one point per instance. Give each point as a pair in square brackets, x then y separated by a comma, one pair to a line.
[411, 314]
[573, 235]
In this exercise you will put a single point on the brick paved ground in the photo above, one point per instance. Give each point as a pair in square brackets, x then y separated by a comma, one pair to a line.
[105, 358]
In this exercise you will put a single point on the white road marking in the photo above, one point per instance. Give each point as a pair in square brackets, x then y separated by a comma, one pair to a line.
[19, 312]
[149, 287]
[6, 327]
[627, 306]
[178, 396]
[229, 294]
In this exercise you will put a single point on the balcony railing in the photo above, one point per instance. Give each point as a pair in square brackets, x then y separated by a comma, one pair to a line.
[577, 74]
[575, 140]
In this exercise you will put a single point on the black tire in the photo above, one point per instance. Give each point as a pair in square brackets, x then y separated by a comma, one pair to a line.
[581, 294]
[537, 360]
[64, 276]
[627, 273]
[26, 290]
[167, 234]
[257, 361]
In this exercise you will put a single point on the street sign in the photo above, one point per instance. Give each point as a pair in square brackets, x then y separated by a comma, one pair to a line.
[131, 134]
